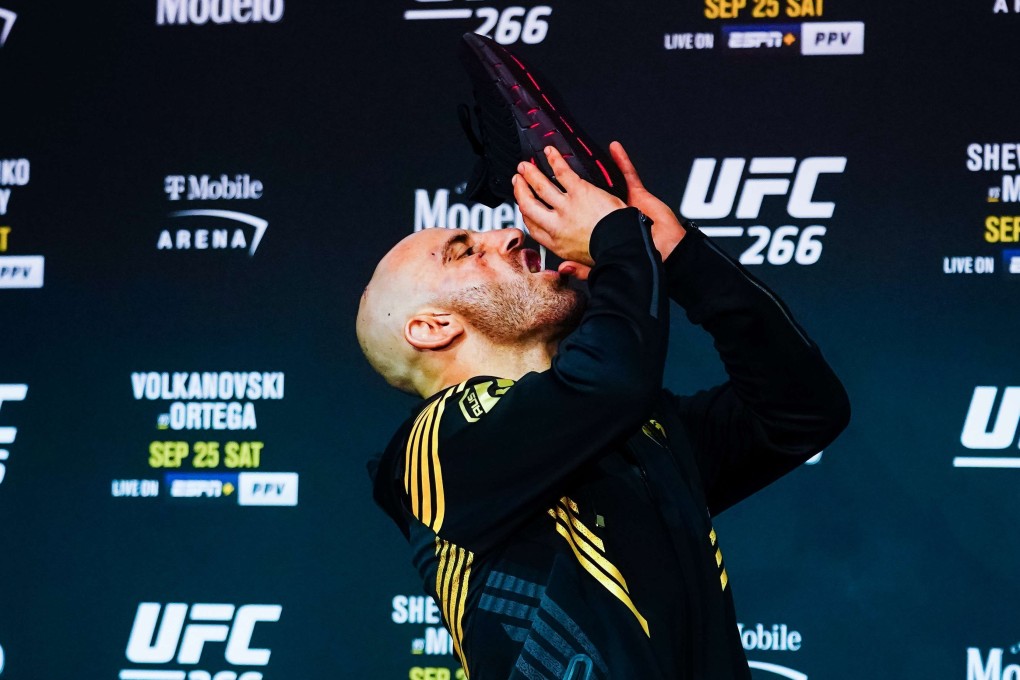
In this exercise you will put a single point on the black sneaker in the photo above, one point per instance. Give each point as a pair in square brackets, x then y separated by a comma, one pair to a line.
[519, 114]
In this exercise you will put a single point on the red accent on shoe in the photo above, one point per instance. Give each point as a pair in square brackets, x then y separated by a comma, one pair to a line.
[518, 62]
[548, 102]
[534, 83]
[533, 126]
[566, 123]
[587, 149]
[604, 173]
[531, 112]
[550, 133]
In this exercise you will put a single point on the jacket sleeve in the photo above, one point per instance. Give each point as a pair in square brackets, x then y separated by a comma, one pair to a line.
[486, 454]
[782, 403]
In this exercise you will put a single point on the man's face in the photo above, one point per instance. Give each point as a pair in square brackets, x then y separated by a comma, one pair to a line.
[499, 287]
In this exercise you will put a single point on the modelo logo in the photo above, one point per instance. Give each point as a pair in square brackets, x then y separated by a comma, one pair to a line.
[801, 204]
[990, 668]
[198, 12]
[1002, 434]
[206, 623]
[436, 211]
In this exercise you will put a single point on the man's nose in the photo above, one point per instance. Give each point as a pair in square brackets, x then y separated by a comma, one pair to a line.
[509, 239]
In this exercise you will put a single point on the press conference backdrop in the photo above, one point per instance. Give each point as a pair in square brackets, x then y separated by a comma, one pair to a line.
[193, 194]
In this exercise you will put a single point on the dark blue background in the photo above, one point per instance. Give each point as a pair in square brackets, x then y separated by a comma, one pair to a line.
[889, 561]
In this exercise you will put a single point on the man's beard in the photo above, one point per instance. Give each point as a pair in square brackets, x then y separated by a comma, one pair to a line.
[508, 312]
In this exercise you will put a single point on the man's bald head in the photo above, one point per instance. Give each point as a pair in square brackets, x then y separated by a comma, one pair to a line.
[395, 293]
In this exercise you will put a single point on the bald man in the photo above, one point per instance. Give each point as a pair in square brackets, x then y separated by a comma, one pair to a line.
[558, 501]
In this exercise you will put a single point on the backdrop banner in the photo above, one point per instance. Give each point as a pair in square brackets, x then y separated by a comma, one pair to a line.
[194, 193]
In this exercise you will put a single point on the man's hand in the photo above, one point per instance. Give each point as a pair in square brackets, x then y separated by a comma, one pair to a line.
[666, 228]
[565, 226]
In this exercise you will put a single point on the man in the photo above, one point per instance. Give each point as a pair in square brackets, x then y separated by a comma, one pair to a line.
[557, 500]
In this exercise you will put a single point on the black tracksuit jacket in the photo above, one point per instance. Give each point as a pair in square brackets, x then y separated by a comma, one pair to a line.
[563, 522]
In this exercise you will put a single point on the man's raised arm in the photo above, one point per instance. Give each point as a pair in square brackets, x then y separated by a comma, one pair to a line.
[782, 403]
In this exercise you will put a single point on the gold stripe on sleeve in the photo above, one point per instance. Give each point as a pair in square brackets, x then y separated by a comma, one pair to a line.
[454, 592]
[409, 451]
[423, 468]
[452, 583]
[416, 463]
[444, 590]
[437, 469]
[422, 474]
[463, 598]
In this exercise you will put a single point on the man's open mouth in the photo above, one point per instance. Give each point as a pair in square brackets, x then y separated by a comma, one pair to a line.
[532, 260]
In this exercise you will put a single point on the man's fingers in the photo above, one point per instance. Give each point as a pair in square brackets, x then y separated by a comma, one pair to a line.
[542, 185]
[575, 269]
[534, 213]
[561, 169]
[622, 161]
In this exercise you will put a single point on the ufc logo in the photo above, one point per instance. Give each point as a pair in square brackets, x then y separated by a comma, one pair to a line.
[801, 203]
[976, 434]
[147, 645]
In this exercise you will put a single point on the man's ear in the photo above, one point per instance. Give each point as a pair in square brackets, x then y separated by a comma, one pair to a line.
[432, 330]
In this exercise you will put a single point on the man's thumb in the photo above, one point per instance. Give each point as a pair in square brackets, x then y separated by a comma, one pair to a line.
[575, 269]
